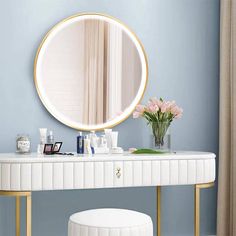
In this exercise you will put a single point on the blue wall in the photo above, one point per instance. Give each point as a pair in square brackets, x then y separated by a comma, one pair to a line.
[181, 40]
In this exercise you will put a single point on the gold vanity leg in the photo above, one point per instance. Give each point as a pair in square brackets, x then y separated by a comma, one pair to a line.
[17, 215]
[158, 210]
[18, 196]
[28, 214]
[197, 189]
[197, 211]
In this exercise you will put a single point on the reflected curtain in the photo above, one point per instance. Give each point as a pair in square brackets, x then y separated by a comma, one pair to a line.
[94, 72]
[226, 212]
[103, 71]
[114, 71]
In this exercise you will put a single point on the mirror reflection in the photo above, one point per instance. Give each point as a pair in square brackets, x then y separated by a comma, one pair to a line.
[89, 71]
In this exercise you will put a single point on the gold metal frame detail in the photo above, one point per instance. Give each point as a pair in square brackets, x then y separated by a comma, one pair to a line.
[197, 188]
[18, 196]
[59, 24]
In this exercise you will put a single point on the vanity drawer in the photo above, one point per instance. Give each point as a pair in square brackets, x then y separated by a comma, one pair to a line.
[104, 174]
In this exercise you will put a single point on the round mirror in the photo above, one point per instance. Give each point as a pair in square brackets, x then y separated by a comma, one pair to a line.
[90, 71]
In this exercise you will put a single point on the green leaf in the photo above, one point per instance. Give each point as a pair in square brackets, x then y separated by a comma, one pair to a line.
[147, 151]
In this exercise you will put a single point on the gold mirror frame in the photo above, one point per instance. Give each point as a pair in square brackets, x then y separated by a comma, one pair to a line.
[140, 94]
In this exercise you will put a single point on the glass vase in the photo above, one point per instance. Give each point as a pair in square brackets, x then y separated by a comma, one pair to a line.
[161, 134]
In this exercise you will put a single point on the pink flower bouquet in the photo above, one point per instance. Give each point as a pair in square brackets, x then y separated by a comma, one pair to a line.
[159, 114]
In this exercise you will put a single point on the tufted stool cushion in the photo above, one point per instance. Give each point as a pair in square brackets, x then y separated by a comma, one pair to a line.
[110, 222]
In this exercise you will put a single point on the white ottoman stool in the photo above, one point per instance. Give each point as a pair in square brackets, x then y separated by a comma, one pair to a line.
[110, 222]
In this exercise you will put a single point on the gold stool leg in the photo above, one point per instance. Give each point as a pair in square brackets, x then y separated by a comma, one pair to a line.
[158, 210]
[28, 215]
[196, 211]
[17, 215]
[197, 189]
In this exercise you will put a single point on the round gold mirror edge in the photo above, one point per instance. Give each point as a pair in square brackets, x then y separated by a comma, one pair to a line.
[103, 126]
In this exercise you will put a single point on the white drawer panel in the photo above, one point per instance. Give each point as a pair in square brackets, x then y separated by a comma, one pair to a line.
[47, 176]
[15, 176]
[206, 169]
[26, 176]
[58, 180]
[183, 171]
[128, 173]
[6, 176]
[109, 174]
[98, 175]
[137, 173]
[191, 172]
[103, 174]
[165, 173]
[156, 177]
[68, 180]
[88, 175]
[212, 170]
[147, 173]
[78, 175]
[174, 171]
[200, 171]
[37, 177]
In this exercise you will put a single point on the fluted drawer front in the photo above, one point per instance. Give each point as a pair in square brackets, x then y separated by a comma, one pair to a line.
[104, 174]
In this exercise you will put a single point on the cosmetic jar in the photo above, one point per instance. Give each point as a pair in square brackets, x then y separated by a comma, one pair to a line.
[22, 143]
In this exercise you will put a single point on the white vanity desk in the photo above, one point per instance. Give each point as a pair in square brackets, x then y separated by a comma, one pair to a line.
[20, 175]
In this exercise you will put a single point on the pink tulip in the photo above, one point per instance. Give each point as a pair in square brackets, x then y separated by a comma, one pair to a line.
[140, 108]
[166, 106]
[151, 107]
[159, 103]
[156, 101]
[153, 100]
[180, 113]
[136, 114]
[163, 107]
[176, 111]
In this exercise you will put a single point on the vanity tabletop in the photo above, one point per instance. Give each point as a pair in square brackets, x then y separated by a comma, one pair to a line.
[34, 157]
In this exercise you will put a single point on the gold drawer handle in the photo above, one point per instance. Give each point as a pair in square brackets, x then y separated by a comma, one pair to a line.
[118, 172]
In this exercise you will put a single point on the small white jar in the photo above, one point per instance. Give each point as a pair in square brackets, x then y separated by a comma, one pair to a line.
[22, 143]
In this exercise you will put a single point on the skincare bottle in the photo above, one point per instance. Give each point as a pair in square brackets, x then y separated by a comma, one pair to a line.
[93, 139]
[43, 139]
[87, 145]
[43, 135]
[108, 137]
[50, 139]
[114, 139]
[103, 141]
[80, 143]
